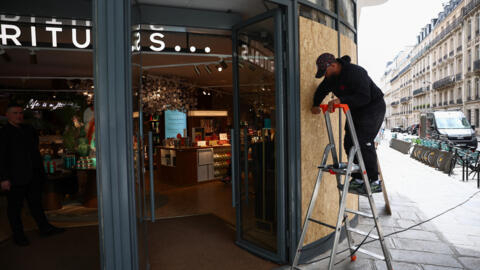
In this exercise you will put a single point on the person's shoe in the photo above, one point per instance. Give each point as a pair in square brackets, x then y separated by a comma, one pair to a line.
[52, 231]
[21, 240]
[376, 187]
[354, 186]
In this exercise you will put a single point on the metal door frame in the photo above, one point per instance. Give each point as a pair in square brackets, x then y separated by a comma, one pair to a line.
[280, 142]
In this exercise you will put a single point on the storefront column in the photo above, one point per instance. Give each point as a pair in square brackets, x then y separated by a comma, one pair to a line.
[113, 114]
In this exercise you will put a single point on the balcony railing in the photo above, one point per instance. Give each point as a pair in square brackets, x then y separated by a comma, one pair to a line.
[439, 60]
[444, 82]
[459, 48]
[469, 68]
[470, 6]
[395, 103]
[451, 54]
[418, 91]
[459, 101]
[434, 105]
[451, 102]
[427, 88]
[445, 57]
[458, 77]
[435, 63]
[445, 103]
[469, 38]
[476, 65]
[469, 98]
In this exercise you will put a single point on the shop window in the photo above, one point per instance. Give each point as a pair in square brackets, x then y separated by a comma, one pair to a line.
[315, 15]
[346, 11]
[347, 32]
[326, 4]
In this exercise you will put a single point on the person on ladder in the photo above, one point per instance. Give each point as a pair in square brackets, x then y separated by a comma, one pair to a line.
[352, 86]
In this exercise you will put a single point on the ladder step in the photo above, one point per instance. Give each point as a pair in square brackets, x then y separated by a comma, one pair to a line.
[363, 214]
[369, 253]
[321, 223]
[340, 169]
[363, 233]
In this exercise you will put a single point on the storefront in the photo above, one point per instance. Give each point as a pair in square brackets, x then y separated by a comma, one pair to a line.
[207, 97]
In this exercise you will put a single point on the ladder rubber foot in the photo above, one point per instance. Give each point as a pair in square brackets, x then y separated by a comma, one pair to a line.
[353, 258]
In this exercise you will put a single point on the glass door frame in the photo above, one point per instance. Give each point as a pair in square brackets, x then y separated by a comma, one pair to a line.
[280, 141]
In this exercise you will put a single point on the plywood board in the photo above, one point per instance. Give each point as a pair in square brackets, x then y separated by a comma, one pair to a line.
[315, 39]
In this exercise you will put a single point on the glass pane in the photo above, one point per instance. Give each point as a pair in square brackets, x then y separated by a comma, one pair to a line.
[326, 4]
[347, 11]
[347, 32]
[138, 152]
[315, 15]
[256, 75]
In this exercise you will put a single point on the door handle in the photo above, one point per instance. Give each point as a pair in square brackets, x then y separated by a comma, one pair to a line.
[150, 168]
[233, 167]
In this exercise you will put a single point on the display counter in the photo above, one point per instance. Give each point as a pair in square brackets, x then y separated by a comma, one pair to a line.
[185, 166]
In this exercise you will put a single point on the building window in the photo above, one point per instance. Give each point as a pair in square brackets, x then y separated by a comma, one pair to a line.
[469, 116]
[316, 15]
[469, 90]
[326, 4]
[477, 121]
[346, 11]
[477, 29]
[477, 88]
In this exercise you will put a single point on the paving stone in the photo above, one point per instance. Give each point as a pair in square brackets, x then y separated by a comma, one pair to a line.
[419, 245]
[409, 215]
[436, 267]
[419, 235]
[361, 263]
[424, 258]
[467, 251]
[381, 265]
[406, 223]
[470, 262]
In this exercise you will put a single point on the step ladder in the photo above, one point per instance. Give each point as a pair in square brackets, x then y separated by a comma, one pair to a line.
[340, 169]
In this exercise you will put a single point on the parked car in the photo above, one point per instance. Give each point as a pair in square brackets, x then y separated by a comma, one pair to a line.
[449, 125]
[397, 129]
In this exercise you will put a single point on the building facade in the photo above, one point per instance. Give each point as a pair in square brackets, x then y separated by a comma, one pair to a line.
[442, 70]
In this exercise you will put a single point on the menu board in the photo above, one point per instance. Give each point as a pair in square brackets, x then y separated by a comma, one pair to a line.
[175, 123]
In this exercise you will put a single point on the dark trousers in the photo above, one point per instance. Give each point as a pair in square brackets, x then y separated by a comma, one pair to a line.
[32, 192]
[367, 124]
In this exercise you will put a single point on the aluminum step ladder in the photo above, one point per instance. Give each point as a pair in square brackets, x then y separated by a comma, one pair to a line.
[340, 169]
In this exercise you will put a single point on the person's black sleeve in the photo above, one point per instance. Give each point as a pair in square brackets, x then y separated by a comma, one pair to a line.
[320, 94]
[361, 90]
[3, 156]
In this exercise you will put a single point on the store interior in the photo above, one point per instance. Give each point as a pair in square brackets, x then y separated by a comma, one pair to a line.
[183, 90]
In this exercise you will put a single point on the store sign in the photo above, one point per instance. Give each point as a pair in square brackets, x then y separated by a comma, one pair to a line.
[175, 123]
[23, 32]
[52, 105]
[12, 34]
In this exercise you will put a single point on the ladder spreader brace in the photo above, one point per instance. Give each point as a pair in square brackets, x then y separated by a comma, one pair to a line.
[338, 168]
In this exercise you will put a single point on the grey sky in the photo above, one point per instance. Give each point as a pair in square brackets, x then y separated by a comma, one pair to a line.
[385, 29]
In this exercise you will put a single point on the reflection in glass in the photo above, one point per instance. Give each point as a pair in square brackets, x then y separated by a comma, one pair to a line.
[346, 11]
[326, 4]
[315, 15]
[347, 32]
[258, 179]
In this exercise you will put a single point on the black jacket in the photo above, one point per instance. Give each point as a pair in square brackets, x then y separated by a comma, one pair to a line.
[353, 87]
[20, 159]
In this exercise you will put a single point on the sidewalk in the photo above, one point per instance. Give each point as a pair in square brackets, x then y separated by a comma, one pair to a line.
[418, 192]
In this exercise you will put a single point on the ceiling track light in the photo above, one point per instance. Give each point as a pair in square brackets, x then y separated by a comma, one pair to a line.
[33, 58]
[208, 69]
[197, 70]
[5, 56]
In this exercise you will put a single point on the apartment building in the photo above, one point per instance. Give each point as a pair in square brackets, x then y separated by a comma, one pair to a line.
[442, 71]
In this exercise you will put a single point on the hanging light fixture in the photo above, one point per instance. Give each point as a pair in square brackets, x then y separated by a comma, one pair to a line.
[33, 57]
[223, 64]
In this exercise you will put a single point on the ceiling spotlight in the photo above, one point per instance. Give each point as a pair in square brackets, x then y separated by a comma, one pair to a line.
[223, 64]
[207, 49]
[204, 93]
[85, 93]
[197, 70]
[209, 94]
[33, 58]
[208, 69]
[5, 56]
[193, 49]
[177, 48]
[219, 68]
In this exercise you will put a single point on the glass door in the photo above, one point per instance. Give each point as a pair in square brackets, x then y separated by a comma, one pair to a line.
[258, 143]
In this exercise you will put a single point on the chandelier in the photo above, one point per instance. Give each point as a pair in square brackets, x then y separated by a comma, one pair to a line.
[161, 93]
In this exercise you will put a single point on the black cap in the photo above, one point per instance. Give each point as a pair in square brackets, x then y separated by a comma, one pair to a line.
[323, 61]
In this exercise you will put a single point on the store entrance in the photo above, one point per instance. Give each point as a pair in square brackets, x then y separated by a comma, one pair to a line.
[211, 122]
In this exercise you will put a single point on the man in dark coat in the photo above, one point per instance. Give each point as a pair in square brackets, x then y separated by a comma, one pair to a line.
[352, 86]
[21, 174]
